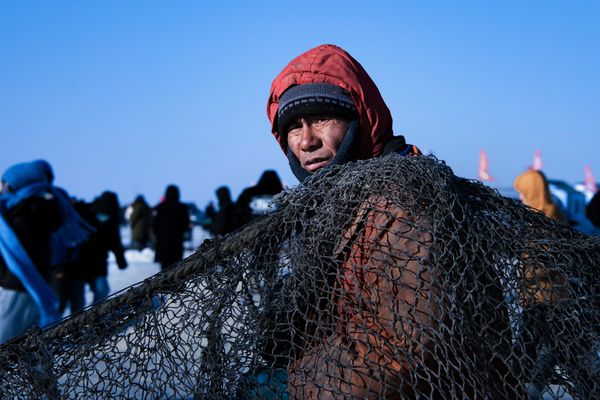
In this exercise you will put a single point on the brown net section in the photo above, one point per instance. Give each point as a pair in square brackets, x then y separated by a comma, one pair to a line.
[388, 278]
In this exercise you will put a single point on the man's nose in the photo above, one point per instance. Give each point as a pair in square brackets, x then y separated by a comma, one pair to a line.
[310, 140]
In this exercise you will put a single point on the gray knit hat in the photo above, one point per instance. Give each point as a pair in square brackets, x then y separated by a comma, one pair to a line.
[314, 99]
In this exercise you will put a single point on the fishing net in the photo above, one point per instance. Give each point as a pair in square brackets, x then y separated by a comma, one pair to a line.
[387, 278]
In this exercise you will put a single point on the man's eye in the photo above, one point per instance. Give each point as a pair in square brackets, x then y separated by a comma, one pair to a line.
[294, 127]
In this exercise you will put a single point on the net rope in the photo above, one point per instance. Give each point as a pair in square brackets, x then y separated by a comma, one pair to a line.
[387, 278]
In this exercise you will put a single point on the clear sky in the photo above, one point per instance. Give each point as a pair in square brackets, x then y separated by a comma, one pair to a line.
[134, 95]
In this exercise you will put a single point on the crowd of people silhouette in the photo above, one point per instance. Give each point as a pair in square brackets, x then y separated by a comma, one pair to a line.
[53, 245]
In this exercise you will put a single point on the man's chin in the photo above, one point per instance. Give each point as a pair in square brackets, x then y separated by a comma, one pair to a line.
[314, 167]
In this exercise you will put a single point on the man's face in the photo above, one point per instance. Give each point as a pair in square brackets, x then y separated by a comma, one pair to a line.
[316, 140]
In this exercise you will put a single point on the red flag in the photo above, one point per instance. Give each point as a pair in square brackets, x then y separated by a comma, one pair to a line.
[483, 167]
[538, 164]
[589, 180]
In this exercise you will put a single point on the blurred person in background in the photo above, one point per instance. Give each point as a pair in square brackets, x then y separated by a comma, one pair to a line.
[254, 201]
[39, 228]
[91, 267]
[534, 192]
[592, 210]
[544, 290]
[223, 220]
[170, 221]
[141, 220]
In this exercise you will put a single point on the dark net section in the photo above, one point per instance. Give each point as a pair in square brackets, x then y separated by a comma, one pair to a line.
[389, 278]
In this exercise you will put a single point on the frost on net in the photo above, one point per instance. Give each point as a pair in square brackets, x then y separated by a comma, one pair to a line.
[387, 278]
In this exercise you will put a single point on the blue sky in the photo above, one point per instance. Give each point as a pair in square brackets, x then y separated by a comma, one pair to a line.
[134, 95]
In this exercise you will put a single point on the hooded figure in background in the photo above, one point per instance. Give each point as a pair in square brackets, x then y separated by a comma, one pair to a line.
[141, 220]
[544, 288]
[254, 201]
[38, 229]
[91, 266]
[170, 222]
[325, 110]
[534, 191]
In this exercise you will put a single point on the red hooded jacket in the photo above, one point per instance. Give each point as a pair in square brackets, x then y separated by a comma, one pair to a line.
[330, 64]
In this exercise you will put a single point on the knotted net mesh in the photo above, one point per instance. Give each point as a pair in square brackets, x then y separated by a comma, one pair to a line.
[387, 278]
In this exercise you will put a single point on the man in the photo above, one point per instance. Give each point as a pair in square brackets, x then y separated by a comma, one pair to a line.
[170, 222]
[325, 110]
[223, 220]
[91, 265]
[140, 219]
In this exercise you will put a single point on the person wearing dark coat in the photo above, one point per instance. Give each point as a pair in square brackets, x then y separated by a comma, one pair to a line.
[254, 201]
[223, 220]
[141, 219]
[170, 222]
[592, 210]
[91, 266]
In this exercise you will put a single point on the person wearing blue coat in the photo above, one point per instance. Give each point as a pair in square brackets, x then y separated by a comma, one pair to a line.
[37, 227]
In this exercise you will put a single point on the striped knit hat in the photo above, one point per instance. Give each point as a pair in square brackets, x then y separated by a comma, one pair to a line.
[314, 99]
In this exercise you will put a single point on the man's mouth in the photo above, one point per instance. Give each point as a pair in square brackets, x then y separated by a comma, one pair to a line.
[315, 164]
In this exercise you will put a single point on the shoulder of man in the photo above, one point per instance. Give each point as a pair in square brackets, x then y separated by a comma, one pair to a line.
[398, 145]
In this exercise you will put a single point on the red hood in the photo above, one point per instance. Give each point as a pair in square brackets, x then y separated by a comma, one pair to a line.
[331, 64]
